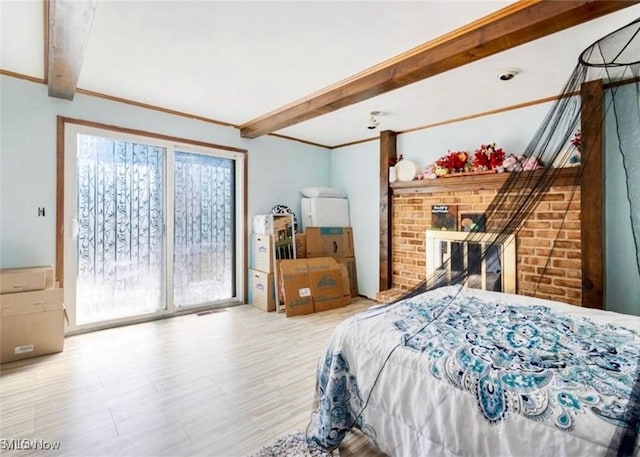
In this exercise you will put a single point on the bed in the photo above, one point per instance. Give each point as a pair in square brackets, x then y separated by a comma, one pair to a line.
[477, 373]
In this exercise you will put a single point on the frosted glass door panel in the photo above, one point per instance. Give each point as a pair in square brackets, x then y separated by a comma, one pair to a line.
[119, 229]
[204, 229]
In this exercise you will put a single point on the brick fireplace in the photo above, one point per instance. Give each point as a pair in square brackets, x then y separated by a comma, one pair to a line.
[548, 249]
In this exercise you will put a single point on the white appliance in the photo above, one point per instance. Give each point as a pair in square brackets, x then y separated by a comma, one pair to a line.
[325, 212]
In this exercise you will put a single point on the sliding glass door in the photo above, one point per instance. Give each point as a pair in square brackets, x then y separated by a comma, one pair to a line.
[151, 227]
[118, 229]
[204, 228]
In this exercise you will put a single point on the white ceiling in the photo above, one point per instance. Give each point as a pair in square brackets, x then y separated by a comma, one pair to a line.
[234, 61]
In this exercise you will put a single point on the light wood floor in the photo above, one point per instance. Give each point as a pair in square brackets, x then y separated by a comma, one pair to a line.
[223, 384]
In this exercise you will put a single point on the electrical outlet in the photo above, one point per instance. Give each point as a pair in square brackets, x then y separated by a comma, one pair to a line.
[41, 211]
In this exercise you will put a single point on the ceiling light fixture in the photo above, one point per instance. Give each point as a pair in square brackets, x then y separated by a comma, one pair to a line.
[373, 120]
[508, 74]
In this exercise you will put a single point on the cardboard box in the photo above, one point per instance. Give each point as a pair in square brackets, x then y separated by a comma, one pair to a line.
[326, 283]
[346, 291]
[301, 246]
[261, 253]
[261, 291]
[27, 279]
[32, 324]
[296, 287]
[263, 224]
[350, 264]
[329, 242]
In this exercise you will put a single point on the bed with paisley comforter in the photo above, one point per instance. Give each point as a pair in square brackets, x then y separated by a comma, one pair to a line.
[463, 372]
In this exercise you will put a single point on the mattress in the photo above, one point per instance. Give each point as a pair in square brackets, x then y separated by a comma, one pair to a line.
[325, 212]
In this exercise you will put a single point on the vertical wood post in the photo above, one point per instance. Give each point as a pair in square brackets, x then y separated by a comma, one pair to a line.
[387, 151]
[592, 194]
[60, 140]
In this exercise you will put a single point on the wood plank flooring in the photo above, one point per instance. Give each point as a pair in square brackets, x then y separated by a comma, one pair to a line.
[222, 384]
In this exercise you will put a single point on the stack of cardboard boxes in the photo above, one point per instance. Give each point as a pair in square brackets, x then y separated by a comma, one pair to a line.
[271, 241]
[32, 313]
[335, 242]
[326, 277]
[261, 288]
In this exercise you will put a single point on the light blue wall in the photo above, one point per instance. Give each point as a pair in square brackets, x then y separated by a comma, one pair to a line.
[622, 280]
[510, 130]
[356, 169]
[277, 168]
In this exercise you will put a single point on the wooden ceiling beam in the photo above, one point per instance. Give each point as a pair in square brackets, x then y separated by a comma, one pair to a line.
[69, 24]
[518, 23]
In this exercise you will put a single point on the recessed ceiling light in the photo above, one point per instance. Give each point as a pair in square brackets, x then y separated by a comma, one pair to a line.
[508, 74]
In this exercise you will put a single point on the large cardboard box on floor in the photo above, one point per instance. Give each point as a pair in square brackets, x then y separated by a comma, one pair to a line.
[350, 264]
[329, 242]
[32, 324]
[326, 283]
[261, 291]
[296, 287]
[261, 253]
[13, 280]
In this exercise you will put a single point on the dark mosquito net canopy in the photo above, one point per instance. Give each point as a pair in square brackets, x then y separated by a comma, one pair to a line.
[614, 60]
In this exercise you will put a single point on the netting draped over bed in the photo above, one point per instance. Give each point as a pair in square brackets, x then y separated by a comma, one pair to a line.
[615, 60]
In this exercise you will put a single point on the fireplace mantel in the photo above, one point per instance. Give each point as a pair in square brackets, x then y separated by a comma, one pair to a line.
[564, 177]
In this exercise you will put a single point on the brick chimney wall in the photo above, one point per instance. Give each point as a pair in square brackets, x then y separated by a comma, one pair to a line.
[548, 249]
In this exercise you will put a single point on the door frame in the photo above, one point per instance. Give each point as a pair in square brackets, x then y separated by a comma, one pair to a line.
[199, 147]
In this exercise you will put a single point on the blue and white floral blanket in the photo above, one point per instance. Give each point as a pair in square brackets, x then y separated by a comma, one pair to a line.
[459, 372]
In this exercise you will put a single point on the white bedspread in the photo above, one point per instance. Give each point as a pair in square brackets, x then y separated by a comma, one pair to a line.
[475, 373]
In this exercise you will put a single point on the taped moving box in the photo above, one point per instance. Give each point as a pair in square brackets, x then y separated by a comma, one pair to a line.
[326, 283]
[312, 285]
[296, 287]
[261, 291]
[329, 242]
[261, 253]
[32, 324]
